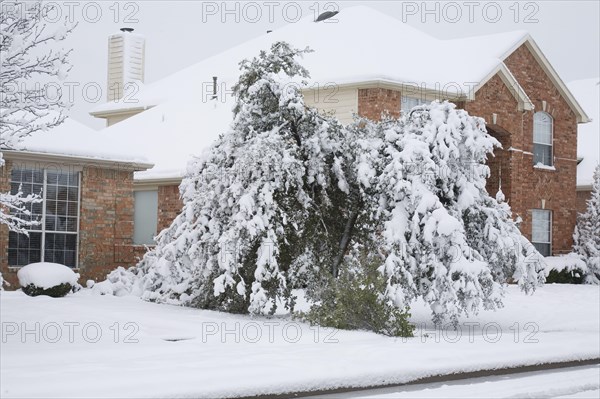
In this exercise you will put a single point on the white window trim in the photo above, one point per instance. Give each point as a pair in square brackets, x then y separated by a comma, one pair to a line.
[43, 230]
[551, 145]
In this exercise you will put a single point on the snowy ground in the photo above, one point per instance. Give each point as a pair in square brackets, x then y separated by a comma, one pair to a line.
[571, 383]
[101, 346]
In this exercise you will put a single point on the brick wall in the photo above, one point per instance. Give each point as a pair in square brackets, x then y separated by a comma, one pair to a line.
[10, 277]
[527, 186]
[495, 98]
[106, 221]
[373, 102]
[582, 197]
[169, 205]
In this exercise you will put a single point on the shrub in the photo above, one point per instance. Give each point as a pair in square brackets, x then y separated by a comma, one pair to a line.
[354, 301]
[58, 291]
[46, 278]
[575, 276]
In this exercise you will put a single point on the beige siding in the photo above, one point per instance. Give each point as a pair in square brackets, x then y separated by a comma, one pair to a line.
[340, 101]
[114, 119]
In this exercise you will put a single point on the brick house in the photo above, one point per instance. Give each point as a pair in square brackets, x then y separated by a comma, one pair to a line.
[510, 84]
[87, 210]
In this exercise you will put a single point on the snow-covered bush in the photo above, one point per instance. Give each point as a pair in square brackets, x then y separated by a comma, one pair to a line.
[587, 233]
[288, 198]
[565, 269]
[46, 278]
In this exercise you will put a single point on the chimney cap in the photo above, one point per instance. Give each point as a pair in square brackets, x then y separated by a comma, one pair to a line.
[126, 30]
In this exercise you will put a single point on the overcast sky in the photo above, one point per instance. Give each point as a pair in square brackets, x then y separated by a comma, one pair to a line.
[181, 33]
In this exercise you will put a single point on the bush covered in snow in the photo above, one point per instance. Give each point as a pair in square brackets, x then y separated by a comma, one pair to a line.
[565, 269]
[587, 233]
[46, 278]
[386, 211]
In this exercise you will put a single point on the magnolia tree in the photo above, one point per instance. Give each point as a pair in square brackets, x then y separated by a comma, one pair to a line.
[365, 218]
[587, 232]
[31, 57]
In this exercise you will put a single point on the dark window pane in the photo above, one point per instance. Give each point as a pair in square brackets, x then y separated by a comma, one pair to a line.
[59, 257]
[49, 255]
[543, 249]
[74, 179]
[14, 188]
[27, 176]
[15, 174]
[38, 176]
[51, 192]
[542, 154]
[49, 244]
[38, 189]
[37, 208]
[35, 256]
[62, 193]
[72, 193]
[50, 208]
[72, 209]
[72, 224]
[52, 177]
[50, 223]
[61, 208]
[63, 179]
[71, 242]
[23, 241]
[13, 239]
[70, 258]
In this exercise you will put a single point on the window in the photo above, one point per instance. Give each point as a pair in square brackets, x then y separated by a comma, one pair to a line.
[541, 235]
[408, 103]
[542, 138]
[56, 238]
[145, 217]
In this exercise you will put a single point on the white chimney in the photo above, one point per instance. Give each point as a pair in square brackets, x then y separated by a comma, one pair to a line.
[126, 59]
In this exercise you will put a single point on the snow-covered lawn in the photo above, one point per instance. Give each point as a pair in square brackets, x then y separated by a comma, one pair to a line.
[104, 346]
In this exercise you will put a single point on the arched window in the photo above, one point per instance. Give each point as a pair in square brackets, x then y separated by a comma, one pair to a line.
[542, 138]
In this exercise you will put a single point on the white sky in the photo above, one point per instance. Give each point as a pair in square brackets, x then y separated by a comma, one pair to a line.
[181, 33]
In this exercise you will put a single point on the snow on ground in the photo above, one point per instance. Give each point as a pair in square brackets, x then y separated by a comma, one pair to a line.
[105, 346]
[576, 382]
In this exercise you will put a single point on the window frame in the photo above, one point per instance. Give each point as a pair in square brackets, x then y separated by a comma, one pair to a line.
[551, 145]
[550, 221]
[42, 228]
[156, 231]
[420, 101]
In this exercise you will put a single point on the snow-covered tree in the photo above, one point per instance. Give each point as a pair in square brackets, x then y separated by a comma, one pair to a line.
[388, 211]
[31, 57]
[587, 232]
[252, 215]
[444, 238]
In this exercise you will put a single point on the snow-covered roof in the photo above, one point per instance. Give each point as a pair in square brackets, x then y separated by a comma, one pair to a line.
[172, 133]
[76, 140]
[381, 48]
[587, 92]
[180, 119]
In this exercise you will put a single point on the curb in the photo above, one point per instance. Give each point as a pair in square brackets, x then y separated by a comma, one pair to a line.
[434, 379]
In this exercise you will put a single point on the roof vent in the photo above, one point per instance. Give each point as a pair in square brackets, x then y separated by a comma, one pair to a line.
[126, 30]
[326, 15]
